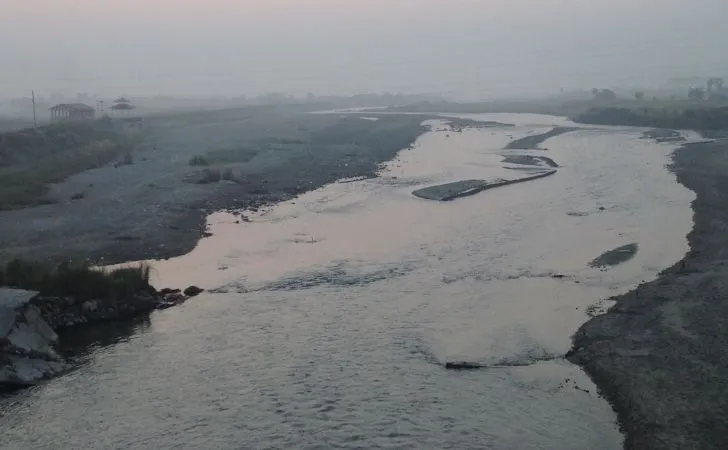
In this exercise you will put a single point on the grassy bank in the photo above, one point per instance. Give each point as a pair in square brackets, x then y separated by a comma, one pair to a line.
[31, 159]
[78, 281]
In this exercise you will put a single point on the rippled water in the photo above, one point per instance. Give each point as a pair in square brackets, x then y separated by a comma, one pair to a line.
[330, 317]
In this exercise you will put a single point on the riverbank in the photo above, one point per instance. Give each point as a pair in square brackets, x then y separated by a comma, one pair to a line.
[659, 355]
[43, 301]
[152, 203]
[680, 116]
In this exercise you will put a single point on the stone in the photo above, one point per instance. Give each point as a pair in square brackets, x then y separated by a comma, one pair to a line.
[463, 365]
[90, 306]
[15, 298]
[193, 291]
[27, 341]
[167, 291]
[175, 298]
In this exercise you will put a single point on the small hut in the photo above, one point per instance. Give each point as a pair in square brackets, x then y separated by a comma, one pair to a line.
[72, 111]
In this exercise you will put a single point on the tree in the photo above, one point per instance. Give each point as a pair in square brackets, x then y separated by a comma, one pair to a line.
[639, 96]
[696, 94]
[714, 85]
[604, 94]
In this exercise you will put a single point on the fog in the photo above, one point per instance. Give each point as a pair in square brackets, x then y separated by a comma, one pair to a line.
[461, 48]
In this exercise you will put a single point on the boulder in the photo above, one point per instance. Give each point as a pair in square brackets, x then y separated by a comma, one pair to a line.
[90, 306]
[27, 341]
[175, 298]
[192, 291]
[167, 291]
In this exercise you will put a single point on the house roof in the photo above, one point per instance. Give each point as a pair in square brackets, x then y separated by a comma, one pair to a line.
[75, 107]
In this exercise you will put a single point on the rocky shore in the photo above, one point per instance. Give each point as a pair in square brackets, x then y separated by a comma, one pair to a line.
[29, 323]
[660, 355]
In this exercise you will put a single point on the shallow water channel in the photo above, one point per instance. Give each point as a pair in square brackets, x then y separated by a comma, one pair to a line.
[330, 317]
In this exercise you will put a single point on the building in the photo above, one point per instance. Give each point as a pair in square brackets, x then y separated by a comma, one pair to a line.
[72, 111]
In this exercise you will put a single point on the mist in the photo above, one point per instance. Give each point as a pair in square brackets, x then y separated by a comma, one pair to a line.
[465, 49]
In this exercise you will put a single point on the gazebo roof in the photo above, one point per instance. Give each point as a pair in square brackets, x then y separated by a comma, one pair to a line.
[122, 106]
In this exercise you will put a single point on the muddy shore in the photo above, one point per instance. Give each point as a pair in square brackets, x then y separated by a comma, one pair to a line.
[660, 355]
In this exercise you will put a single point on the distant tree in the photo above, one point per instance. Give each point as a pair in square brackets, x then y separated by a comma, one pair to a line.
[696, 94]
[714, 85]
[604, 94]
[639, 96]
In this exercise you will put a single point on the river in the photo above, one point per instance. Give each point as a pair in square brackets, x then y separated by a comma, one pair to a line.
[329, 318]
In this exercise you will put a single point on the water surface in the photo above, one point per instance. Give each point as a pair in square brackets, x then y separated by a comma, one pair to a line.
[329, 317]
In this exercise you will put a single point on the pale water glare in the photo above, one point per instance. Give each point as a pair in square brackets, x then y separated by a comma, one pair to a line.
[329, 317]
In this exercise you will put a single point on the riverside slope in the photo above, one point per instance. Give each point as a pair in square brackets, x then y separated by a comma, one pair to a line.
[660, 355]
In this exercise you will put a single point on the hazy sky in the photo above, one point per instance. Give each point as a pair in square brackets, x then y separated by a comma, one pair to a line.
[466, 47]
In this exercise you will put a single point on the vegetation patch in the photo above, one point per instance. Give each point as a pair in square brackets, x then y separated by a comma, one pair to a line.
[199, 161]
[32, 159]
[210, 176]
[686, 118]
[230, 155]
[77, 281]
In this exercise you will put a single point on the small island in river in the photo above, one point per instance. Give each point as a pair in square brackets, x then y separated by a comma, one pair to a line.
[451, 191]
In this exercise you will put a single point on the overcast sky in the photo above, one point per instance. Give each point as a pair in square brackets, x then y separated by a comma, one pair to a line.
[472, 48]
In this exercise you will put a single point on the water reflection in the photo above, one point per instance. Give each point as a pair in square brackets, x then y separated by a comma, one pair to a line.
[79, 343]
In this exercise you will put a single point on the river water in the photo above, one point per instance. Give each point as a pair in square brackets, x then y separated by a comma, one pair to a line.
[330, 317]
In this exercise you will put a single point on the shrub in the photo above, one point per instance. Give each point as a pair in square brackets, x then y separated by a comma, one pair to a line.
[78, 281]
[199, 161]
[228, 174]
[210, 176]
